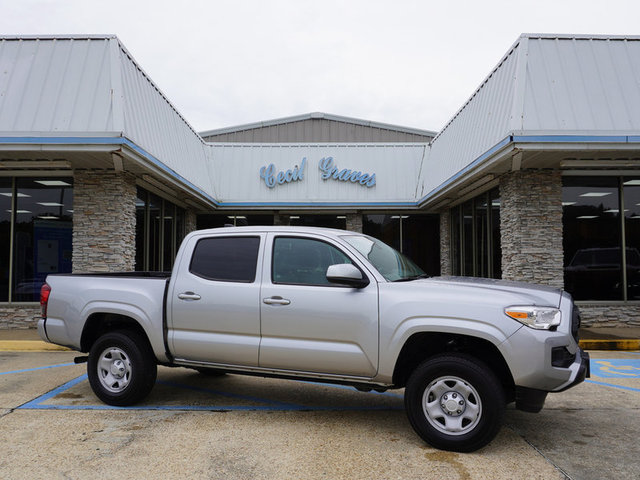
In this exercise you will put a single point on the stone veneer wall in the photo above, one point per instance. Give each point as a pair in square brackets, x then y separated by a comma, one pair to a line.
[531, 226]
[599, 315]
[354, 222]
[190, 222]
[445, 243]
[104, 221]
[282, 220]
[18, 317]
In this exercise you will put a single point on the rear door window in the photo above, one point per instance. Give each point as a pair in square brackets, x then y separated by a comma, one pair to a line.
[226, 259]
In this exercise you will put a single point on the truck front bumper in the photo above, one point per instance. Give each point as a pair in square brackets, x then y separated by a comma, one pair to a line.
[532, 400]
[583, 371]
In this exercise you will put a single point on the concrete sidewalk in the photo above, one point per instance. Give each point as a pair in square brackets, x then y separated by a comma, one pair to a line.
[26, 340]
[591, 338]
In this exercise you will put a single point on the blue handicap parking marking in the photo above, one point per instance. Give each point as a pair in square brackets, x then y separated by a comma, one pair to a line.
[615, 368]
[260, 404]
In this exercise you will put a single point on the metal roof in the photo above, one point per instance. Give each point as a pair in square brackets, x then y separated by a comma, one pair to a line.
[86, 91]
[317, 115]
[547, 88]
[85, 87]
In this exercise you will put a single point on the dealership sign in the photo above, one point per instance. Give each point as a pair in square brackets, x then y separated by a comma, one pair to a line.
[328, 168]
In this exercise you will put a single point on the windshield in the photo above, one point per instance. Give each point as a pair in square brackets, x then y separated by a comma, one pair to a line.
[391, 264]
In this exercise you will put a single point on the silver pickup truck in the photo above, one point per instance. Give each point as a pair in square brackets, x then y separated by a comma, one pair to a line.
[328, 305]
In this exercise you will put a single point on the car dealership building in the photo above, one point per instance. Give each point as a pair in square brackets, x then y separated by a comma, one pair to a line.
[536, 178]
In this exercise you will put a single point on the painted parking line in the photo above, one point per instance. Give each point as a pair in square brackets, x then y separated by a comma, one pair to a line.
[615, 368]
[619, 387]
[38, 368]
[268, 405]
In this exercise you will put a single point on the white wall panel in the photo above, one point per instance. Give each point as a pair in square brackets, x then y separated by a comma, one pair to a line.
[238, 172]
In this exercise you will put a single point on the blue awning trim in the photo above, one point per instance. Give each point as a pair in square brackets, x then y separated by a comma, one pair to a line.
[510, 140]
[122, 141]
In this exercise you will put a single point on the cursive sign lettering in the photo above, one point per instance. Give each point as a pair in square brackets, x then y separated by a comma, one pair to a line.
[271, 178]
[329, 170]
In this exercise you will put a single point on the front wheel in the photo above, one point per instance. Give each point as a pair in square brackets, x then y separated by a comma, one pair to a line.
[121, 368]
[454, 402]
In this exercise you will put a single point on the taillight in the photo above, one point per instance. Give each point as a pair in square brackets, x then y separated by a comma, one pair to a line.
[44, 298]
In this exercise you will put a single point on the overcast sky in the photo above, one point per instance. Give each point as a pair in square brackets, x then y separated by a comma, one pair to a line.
[410, 63]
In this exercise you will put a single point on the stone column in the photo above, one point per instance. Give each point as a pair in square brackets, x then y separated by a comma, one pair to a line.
[354, 222]
[279, 219]
[190, 224]
[531, 226]
[104, 221]
[445, 243]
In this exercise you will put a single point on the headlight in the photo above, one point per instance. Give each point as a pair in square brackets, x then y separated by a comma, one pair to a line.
[540, 318]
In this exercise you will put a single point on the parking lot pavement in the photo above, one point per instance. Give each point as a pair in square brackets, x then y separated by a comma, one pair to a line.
[51, 425]
[591, 431]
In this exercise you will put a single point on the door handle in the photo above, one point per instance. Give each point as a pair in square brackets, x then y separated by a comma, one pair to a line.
[188, 296]
[277, 300]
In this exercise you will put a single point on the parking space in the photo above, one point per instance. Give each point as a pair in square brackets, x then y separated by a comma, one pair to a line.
[234, 426]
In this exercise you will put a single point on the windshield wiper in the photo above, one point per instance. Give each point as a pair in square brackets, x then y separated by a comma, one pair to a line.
[413, 277]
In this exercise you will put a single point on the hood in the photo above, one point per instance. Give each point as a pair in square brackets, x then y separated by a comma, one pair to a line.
[536, 294]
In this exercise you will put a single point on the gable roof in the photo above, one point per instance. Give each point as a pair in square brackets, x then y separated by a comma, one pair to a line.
[546, 88]
[245, 132]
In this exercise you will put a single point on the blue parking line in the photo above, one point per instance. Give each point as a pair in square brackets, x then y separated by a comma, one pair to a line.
[213, 408]
[56, 391]
[38, 368]
[621, 387]
[38, 403]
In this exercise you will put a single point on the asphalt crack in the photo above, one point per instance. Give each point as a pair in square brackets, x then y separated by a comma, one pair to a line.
[542, 454]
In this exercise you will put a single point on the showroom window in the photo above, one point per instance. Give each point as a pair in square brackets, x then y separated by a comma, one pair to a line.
[415, 235]
[215, 220]
[36, 224]
[160, 228]
[475, 237]
[601, 246]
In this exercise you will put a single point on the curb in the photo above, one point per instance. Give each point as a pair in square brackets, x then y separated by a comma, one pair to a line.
[623, 344]
[30, 346]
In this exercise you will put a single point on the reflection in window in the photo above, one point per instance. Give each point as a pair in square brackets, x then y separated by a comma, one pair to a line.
[6, 202]
[160, 228]
[415, 235]
[40, 212]
[231, 219]
[475, 237]
[226, 259]
[592, 238]
[304, 261]
[631, 190]
[328, 221]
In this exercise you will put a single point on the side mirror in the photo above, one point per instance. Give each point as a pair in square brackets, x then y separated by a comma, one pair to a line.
[346, 274]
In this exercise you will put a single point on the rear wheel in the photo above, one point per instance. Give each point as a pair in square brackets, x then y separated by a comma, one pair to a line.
[121, 368]
[454, 402]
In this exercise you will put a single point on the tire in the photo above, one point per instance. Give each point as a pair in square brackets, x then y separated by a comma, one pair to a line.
[121, 368]
[455, 402]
